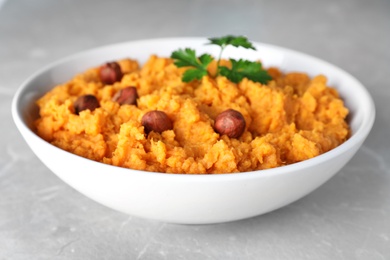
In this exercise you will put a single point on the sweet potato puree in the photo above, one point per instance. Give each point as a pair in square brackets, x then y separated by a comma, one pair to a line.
[291, 119]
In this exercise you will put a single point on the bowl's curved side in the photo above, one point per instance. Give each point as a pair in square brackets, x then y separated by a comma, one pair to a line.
[185, 199]
[191, 199]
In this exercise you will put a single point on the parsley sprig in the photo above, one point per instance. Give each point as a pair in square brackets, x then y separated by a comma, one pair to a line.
[187, 58]
[239, 68]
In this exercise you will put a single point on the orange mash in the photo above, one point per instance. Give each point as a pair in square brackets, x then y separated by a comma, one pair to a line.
[291, 119]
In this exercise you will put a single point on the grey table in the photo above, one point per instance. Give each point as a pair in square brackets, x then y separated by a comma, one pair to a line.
[347, 218]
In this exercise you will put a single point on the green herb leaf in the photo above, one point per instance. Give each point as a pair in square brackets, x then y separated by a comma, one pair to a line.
[205, 59]
[187, 58]
[245, 69]
[240, 69]
[236, 41]
[192, 74]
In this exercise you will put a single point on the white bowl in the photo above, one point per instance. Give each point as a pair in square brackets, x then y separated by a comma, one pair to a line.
[193, 199]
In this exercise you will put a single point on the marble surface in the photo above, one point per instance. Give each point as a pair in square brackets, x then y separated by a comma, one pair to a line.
[347, 218]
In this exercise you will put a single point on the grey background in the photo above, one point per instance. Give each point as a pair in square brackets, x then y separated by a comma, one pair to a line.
[347, 218]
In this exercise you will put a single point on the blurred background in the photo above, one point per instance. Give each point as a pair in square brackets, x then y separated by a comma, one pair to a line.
[347, 218]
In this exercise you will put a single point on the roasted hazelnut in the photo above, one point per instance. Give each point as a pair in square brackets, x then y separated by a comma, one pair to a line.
[110, 73]
[126, 96]
[231, 123]
[156, 121]
[85, 102]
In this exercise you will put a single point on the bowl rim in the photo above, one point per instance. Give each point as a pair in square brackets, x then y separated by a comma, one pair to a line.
[357, 137]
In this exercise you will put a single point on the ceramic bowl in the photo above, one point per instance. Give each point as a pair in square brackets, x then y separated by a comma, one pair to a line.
[193, 199]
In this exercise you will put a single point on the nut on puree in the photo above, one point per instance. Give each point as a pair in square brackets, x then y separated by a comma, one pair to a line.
[291, 119]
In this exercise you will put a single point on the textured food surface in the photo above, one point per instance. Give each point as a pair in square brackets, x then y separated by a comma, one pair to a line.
[291, 119]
